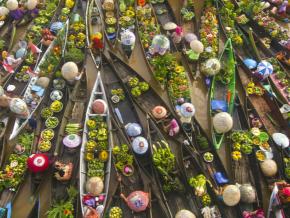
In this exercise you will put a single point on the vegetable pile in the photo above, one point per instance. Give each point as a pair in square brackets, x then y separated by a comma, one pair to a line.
[137, 87]
[127, 18]
[164, 162]
[96, 146]
[122, 157]
[209, 31]
[13, 173]
[187, 11]
[199, 184]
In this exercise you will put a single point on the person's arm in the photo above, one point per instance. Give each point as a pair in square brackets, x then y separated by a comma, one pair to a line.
[79, 76]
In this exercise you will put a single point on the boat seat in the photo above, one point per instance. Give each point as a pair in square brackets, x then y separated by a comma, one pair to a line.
[219, 105]
[220, 178]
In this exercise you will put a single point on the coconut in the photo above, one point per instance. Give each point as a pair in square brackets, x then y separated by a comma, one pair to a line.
[269, 167]
[69, 71]
[231, 195]
[95, 186]
[222, 122]
[99, 106]
[31, 4]
[184, 214]
[12, 5]
[4, 11]
[248, 193]
[43, 82]
[196, 46]
[211, 67]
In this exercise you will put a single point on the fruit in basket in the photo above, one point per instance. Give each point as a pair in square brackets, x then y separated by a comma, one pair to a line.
[46, 113]
[91, 145]
[47, 134]
[51, 122]
[56, 106]
[116, 212]
[44, 146]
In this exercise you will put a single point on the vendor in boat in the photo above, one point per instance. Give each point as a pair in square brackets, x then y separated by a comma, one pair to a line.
[97, 42]
[70, 72]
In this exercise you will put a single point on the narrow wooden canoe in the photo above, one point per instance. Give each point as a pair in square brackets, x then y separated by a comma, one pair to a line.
[110, 19]
[176, 199]
[223, 91]
[20, 123]
[97, 93]
[123, 183]
[94, 25]
[121, 110]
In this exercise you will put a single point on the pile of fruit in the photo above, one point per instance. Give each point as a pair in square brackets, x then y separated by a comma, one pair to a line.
[127, 19]
[96, 146]
[117, 95]
[209, 31]
[23, 74]
[12, 174]
[110, 20]
[122, 157]
[137, 87]
[116, 212]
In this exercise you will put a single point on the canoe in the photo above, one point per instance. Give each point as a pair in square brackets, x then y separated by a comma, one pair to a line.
[266, 110]
[245, 170]
[127, 23]
[94, 25]
[193, 171]
[87, 158]
[164, 14]
[125, 182]
[177, 193]
[209, 31]
[146, 14]
[67, 148]
[121, 110]
[110, 16]
[3, 130]
[20, 123]
[20, 150]
[223, 91]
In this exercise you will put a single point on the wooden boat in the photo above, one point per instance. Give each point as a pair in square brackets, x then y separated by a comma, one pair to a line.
[209, 31]
[245, 170]
[110, 12]
[145, 14]
[125, 183]
[20, 123]
[265, 110]
[179, 196]
[193, 170]
[223, 91]
[19, 151]
[121, 111]
[3, 130]
[94, 25]
[66, 165]
[127, 26]
[85, 174]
